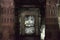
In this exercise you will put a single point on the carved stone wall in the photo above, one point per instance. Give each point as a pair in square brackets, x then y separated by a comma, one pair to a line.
[7, 19]
[52, 27]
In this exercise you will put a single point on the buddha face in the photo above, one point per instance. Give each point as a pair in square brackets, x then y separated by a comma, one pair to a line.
[29, 21]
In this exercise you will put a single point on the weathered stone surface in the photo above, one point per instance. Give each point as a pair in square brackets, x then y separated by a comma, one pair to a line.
[7, 3]
[7, 19]
[52, 27]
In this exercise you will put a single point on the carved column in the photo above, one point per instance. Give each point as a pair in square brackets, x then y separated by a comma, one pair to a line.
[52, 27]
[7, 19]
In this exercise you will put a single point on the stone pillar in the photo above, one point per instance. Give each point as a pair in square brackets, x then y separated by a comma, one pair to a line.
[7, 19]
[52, 27]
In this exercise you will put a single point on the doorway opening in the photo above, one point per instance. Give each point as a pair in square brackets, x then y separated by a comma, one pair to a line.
[30, 21]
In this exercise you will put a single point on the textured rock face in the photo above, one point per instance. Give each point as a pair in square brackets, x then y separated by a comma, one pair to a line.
[7, 19]
[52, 26]
[7, 3]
